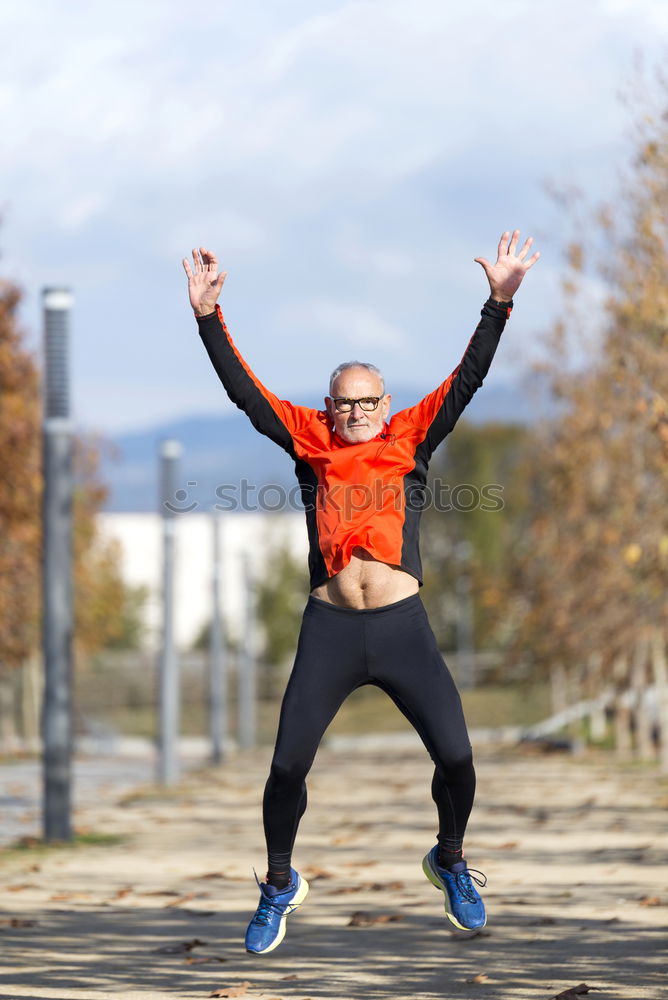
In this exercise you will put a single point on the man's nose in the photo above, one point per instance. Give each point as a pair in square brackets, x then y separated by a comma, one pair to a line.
[357, 406]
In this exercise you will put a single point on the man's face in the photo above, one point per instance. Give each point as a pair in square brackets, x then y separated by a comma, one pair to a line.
[358, 425]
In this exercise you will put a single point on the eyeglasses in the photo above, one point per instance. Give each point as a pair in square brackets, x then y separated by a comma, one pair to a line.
[368, 403]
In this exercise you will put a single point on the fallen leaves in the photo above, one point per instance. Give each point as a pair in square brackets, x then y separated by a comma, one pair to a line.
[203, 959]
[19, 922]
[232, 991]
[651, 901]
[313, 873]
[182, 899]
[482, 977]
[181, 947]
[62, 896]
[363, 919]
[574, 992]
[368, 887]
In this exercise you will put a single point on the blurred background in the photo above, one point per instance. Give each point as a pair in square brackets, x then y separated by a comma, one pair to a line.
[346, 161]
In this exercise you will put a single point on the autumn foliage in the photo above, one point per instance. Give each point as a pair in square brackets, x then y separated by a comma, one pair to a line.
[98, 586]
[596, 565]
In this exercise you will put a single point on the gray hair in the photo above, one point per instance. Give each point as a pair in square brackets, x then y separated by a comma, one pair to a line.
[356, 364]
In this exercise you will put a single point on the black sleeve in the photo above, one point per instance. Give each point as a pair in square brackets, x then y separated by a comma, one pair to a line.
[439, 411]
[277, 418]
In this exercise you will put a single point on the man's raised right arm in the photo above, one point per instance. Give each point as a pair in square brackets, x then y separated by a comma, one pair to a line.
[277, 418]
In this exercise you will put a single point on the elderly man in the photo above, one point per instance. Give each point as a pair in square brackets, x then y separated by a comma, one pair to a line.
[360, 473]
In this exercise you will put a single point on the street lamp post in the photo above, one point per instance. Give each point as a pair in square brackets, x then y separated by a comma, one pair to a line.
[168, 693]
[57, 597]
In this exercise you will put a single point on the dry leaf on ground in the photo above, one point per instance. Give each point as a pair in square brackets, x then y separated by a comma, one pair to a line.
[61, 896]
[182, 946]
[314, 873]
[482, 977]
[368, 887]
[232, 991]
[187, 898]
[363, 919]
[651, 901]
[574, 992]
[203, 959]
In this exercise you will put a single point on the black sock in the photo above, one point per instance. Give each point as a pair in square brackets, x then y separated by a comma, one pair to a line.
[281, 880]
[446, 858]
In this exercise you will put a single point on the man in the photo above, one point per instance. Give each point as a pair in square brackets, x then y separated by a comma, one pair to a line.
[364, 623]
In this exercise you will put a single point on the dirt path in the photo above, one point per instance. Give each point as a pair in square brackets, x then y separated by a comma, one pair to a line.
[575, 851]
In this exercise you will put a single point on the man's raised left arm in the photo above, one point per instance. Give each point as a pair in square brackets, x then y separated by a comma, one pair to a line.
[437, 413]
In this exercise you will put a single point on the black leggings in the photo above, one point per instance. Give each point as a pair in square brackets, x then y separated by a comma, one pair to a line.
[339, 650]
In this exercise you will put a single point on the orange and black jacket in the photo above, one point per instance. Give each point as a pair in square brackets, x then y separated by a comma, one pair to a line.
[369, 494]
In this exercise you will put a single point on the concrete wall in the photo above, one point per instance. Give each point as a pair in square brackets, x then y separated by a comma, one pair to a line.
[256, 535]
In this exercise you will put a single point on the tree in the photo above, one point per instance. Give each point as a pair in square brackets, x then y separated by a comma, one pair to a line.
[20, 489]
[477, 495]
[595, 560]
[281, 595]
[100, 596]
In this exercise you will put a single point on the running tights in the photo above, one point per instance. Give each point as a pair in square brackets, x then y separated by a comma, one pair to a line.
[339, 650]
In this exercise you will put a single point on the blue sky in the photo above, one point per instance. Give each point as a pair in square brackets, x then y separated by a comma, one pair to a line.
[347, 160]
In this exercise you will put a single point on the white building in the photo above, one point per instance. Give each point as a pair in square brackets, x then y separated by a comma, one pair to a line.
[255, 536]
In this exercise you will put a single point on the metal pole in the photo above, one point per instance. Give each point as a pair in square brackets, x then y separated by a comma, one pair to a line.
[168, 693]
[465, 653]
[57, 613]
[247, 672]
[217, 659]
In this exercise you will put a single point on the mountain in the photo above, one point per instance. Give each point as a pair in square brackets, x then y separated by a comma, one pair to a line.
[222, 452]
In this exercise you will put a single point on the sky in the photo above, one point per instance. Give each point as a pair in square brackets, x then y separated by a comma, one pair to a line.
[346, 160]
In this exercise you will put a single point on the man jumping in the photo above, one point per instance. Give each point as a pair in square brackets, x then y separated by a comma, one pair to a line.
[361, 475]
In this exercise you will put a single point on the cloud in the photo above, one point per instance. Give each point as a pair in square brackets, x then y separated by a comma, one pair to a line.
[365, 145]
[351, 323]
[353, 249]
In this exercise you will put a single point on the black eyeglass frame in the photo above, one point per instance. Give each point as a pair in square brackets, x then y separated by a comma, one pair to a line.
[362, 399]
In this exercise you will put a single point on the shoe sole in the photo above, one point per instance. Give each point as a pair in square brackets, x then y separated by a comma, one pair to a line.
[300, 896]
[438, 884]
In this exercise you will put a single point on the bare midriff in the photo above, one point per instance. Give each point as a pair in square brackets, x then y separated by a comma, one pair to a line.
[367, 583]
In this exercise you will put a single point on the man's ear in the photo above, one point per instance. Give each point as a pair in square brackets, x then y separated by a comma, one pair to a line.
[328, 405]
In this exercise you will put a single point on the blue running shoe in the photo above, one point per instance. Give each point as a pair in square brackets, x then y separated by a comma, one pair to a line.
[267, 928]
[463, 905]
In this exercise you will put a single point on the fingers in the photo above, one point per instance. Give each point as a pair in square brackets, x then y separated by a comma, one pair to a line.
[209, 259]
[484, 263]
[513, 243]
[525, 249]
[503, 245]
[532, 260]
[204, 261]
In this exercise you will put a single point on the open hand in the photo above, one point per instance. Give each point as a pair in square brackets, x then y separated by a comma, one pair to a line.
[204, 284]
[505, 277]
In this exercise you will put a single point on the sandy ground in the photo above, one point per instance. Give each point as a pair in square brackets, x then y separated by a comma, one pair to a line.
[575, 851]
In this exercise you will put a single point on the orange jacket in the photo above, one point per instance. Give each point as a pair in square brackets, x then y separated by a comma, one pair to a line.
[369, 494]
